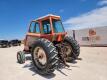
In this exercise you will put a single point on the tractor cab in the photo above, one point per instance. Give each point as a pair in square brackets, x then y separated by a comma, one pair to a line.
[49, 27]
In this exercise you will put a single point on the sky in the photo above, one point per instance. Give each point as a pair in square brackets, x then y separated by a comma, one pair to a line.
[15, 15]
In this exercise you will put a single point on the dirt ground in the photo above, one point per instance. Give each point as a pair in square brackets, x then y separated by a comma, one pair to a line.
[93, 66]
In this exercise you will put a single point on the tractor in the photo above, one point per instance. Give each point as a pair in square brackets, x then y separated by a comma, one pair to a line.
[48, 44]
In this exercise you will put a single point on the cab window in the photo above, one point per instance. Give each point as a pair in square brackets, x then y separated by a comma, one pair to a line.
[58, 27]
[46, 27]
[34, 27]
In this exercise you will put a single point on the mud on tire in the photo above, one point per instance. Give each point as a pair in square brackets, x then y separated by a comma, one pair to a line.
[51, 56]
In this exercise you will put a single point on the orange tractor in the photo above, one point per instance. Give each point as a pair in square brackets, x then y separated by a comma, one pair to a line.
[48, 44]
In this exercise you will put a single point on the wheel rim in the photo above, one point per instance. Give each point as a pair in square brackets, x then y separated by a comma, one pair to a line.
[68, 49]
[40, 56]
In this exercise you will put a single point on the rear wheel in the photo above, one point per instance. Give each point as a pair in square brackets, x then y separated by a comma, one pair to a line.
[44, 56]
[2, 45]
[19, 44]
[72, 48]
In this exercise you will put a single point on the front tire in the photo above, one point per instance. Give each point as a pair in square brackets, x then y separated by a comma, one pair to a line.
[21, 57]
[44, 56]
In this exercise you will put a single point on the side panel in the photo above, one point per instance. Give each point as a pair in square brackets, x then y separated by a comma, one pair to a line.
[47, 36]
[30, 39]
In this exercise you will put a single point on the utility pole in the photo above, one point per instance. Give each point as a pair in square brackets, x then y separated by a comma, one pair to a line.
[73, 34]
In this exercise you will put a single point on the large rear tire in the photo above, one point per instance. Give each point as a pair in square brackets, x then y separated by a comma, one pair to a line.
[44, 56]
[74, 48]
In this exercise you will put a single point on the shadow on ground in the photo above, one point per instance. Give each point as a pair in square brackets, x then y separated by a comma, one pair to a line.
[31, 67]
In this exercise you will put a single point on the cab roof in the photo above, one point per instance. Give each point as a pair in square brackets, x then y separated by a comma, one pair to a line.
[47, 16]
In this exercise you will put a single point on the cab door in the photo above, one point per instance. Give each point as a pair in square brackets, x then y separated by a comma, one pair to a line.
[32, 35]
[46, 30]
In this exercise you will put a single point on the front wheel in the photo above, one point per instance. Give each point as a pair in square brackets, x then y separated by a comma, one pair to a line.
[21, 57]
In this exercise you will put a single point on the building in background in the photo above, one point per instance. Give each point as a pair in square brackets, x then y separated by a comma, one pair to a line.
[90, 36]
